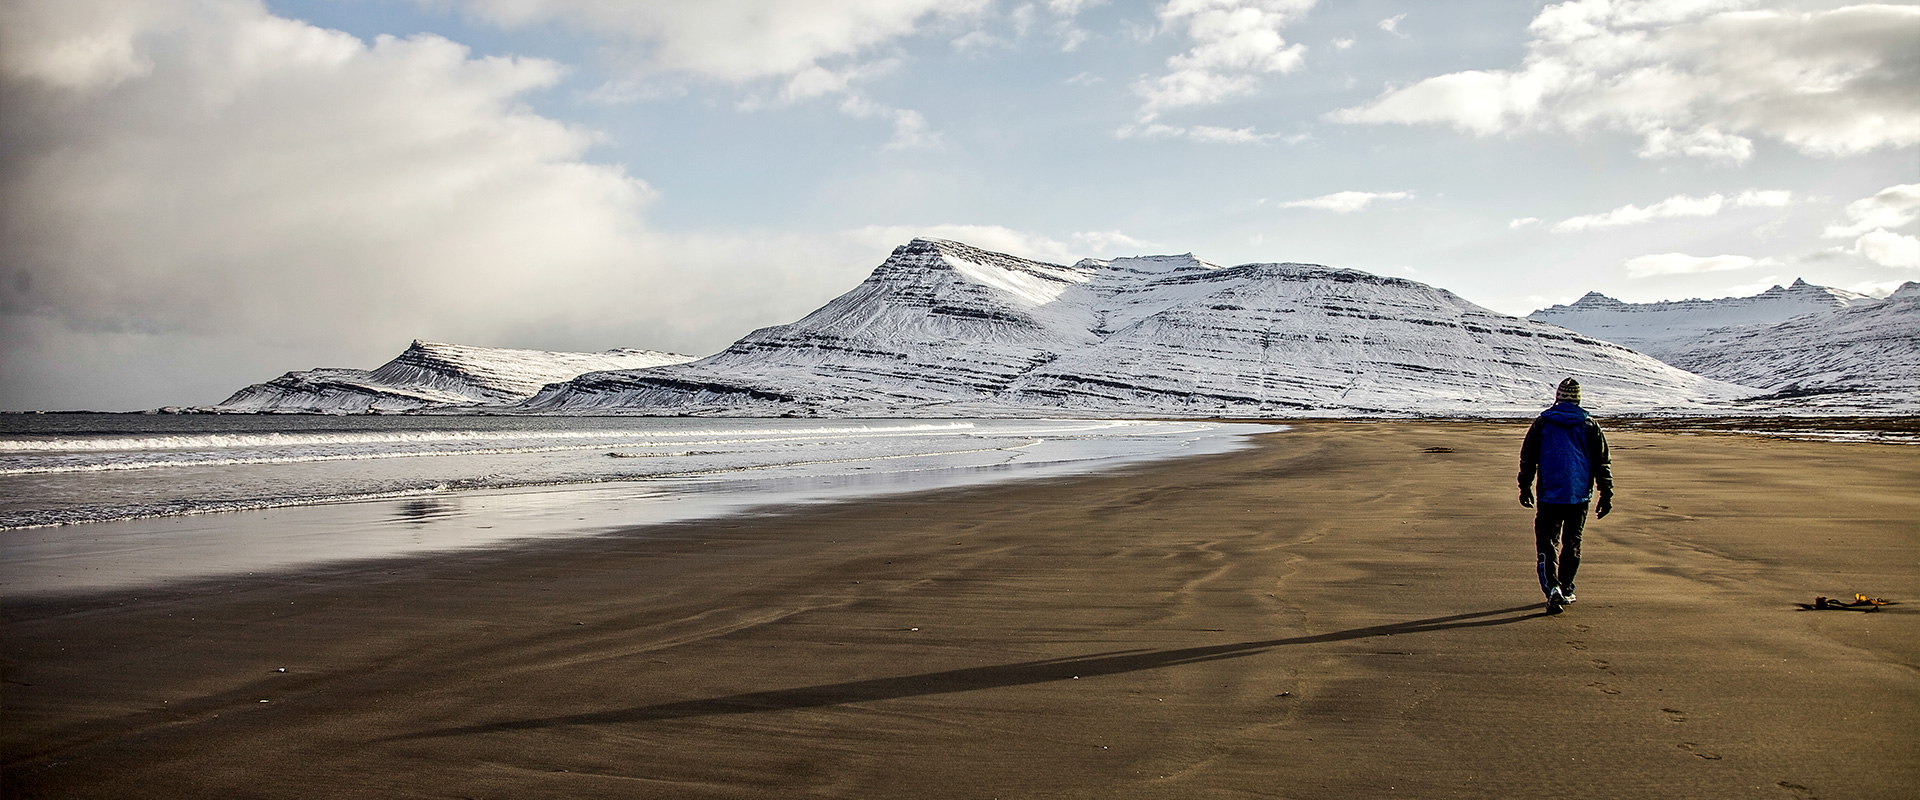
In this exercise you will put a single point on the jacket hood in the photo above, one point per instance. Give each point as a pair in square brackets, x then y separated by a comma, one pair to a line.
[1566, 414]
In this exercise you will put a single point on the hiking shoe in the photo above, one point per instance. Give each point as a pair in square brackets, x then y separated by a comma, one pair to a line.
[1566, 596]
[1554, 597]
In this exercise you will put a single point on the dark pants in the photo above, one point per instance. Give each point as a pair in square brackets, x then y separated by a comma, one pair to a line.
[1558, 524]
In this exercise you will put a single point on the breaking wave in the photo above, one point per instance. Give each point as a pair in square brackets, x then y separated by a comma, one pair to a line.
[106, 468]
[211, 441]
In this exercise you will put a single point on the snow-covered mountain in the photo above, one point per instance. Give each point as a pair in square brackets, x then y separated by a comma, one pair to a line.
[1865, 356]
[1660, 329]
[944, 328]
[431, 374]
[1806, 346]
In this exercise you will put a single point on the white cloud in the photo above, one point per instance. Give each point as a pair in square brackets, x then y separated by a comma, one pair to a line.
[1069, 35]
[816, 49]
[1522, 222]
[1870, 218]
[1392, 25]
[1697, 78]
[979, 40]
[1683, 264]
[1204, 134]
[1707, 143]
[1109, 244]
[1876, 288]
[817, 81]
[1756, 287]
[1892, 207]
[77, 46]
[1888, 249]
[1345, 202]
[1209, 133]
[1068, 8]
[1764, 198]
[1235, 42]
[910, 130]
[1021, 23]
[734, 40]
[1676, 206]
[262, 182]
[1342, 44]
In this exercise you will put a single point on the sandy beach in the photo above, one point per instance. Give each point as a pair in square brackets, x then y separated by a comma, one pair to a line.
[1345, 610]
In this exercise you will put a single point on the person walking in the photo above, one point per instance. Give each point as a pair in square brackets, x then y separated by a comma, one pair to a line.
[1567, 454]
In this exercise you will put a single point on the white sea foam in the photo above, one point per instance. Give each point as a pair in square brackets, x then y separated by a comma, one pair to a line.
[51, 479]
[276, 439]
[222, 459]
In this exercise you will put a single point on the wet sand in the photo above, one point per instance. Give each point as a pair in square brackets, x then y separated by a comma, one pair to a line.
[1347, 610]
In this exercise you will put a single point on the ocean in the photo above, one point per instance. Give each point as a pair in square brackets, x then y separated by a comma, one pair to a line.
[109, 501]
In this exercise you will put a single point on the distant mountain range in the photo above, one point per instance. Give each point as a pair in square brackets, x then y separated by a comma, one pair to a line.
[944, 329]
[434, 375]
[1805, 347]
[1661, 329]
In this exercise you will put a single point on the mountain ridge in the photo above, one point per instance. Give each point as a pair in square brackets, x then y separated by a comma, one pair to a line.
[1158, 335]
[1654, 328]
[433, 375]
[942, 328]
[1806, 347]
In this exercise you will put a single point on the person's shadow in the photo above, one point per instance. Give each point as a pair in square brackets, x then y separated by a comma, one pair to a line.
[975, 678]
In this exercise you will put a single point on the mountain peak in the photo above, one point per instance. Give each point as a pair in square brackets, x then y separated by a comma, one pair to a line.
[922, 246]
[1148, 264]
[942, 270]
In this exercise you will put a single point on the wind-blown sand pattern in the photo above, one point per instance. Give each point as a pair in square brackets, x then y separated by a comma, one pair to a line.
[1347, 610]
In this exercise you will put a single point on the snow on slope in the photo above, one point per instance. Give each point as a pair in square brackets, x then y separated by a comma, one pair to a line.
[1295, 338]
[1659, 329]
[1862, 357]
[944, 328]
[432, 374]
[934, 324]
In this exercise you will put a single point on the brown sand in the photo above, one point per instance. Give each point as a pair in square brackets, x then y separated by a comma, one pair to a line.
[1336, 614]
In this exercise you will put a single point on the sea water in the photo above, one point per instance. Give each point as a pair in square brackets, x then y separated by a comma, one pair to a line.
[103, 501]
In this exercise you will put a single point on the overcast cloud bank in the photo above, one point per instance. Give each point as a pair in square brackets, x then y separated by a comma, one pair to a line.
[1693, 79]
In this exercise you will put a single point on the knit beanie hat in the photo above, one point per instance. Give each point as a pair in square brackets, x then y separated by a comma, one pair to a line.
[1568, 392]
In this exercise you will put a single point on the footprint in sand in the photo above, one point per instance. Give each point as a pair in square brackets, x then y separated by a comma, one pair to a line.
[1604, 689]
[1675, 715]
[1577, 644]
[1797, 788]
[1601, 663]
[1688, 746]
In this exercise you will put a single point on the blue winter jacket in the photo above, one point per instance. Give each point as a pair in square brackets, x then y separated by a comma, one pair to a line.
[1568, 453]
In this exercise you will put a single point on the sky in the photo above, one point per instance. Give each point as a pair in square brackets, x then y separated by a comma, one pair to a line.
[203, 194]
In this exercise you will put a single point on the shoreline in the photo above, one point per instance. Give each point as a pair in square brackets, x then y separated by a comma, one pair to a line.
[1341, 609]
[273, 535]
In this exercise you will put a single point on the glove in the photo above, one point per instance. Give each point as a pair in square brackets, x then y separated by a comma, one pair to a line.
[1606, 507]
[1526, 497]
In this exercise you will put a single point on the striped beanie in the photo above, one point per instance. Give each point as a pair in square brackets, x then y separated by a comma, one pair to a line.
[1568, 392]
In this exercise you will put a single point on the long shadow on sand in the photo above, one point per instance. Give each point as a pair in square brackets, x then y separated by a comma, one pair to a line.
[976, 678]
